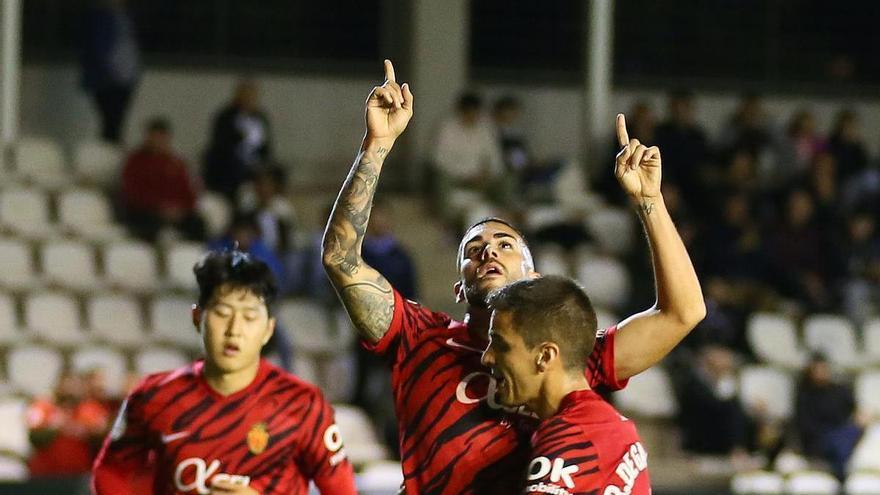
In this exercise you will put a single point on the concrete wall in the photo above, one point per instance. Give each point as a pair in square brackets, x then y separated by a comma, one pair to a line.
[317, 122]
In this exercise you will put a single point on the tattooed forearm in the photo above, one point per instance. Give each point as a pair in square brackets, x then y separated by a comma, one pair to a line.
[348, 223]
[646, 207]
[370, 307]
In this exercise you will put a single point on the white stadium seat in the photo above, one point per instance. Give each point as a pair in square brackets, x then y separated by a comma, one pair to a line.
[539, 217]
[380, 477]
[13, 469]
[867, 392]
[14, 434]
[54, 317]
[216, 211]
[757, 483]
[550, 260]
[180, 259]
[648, 394]
[864, 457]
[34, 369]
[307, 324]
[866, 483]
[613, 229]
[87, 213]
[70, 264]
[361, 442]
[97, 162]
[834, 336]
[131, 265]
[117, 319]
[871, 334]
[605, 280]
[107, 359]
[158, 359]
[18, 265]
[769, 388]
[25, 212]
[812, 483]
[9, 330]
[773, 338]
[40, 161]
[172, 322]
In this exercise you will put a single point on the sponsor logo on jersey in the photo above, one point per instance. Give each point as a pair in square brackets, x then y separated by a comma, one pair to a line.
[556, 470]
[633, 463]
[258, 438]
[545, 488]
[194, 475]
[480, 386]
[333, 443]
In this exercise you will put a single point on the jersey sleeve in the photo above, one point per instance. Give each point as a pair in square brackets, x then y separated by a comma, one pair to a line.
[600, 364]
[322, 455]
[124, 462]
[563, 461]
[408, 325]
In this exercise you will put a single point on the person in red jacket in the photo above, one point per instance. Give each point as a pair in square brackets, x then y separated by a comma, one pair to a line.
[157, 189]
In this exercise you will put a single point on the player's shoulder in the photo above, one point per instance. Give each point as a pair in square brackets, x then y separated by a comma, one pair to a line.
[164, 379]
[416, 314]
[280, 382]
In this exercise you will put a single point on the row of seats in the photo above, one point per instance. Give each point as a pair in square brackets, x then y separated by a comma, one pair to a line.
[606, 277]
[43, 162]
[126, 264]
[774, 339]
[30, 213]
[804, 483]
[761, 387]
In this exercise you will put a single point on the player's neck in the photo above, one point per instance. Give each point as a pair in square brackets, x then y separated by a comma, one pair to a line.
[477, 321]
[227, 384]
[554, 390]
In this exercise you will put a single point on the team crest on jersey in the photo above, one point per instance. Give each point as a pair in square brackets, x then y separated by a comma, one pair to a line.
[258, 438]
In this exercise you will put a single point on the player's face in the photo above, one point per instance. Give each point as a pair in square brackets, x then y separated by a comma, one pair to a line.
[492, 255]
[235, 326]
[513, 364]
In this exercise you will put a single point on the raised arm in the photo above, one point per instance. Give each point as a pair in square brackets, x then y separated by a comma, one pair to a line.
[365, 293]
[647, 337]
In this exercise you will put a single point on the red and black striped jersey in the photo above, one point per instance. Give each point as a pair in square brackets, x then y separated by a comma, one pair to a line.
[179, 435]
[587, 448]
[454, 437]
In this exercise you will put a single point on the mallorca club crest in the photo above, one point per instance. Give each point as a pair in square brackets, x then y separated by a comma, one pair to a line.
[258, 438]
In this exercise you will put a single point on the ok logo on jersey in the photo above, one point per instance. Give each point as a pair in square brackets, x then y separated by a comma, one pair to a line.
[194, 474]
[558, 471]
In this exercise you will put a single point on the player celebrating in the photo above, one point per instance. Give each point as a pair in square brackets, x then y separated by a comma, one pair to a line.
[541, 333]
[231, 423]
[454, 436]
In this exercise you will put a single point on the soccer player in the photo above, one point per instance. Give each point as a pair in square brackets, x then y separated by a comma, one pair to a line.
[540, 336]
[231, 423]
[455, 438]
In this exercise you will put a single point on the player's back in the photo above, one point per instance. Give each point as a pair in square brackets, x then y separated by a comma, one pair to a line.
[587, 447]
[274, 435]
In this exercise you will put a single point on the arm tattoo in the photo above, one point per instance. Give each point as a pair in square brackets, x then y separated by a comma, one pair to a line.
[646, 207]
[374, 307]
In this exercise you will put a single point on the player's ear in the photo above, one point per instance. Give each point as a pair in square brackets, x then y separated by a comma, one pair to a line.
[270, 330]
[458, 291]
[196, 313]
[548, 354]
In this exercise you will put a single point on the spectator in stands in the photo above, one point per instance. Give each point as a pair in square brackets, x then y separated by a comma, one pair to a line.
[861, 256]
[824, 415]
[847, 145]
[274, 212]
[66, 430]
[683, 142]
[240, 142]
[710, 415]
[747, 129]
[157, 190]
[468, 159]
[111, 66]
[796, 150]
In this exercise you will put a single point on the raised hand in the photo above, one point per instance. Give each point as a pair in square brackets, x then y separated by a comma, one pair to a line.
[637, 167]
[389, 107]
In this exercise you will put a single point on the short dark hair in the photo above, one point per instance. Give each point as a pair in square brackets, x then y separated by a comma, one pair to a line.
[551, 309]
[469, 101]
[236, 269]
[502, 222]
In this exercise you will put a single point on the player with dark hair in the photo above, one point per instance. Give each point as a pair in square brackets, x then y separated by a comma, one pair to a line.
[231, 423]
[540, 336]
[455, 438]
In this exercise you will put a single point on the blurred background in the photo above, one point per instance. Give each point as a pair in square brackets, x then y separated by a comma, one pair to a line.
[136, 134]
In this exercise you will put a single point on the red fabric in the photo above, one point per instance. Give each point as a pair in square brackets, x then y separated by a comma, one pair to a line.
[68, 453]
[587, 447]
[152, 181]
[275, 435]
[454, 437]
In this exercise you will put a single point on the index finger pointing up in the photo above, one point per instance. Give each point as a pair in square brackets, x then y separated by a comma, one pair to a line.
[622, 135]
[389, 71]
